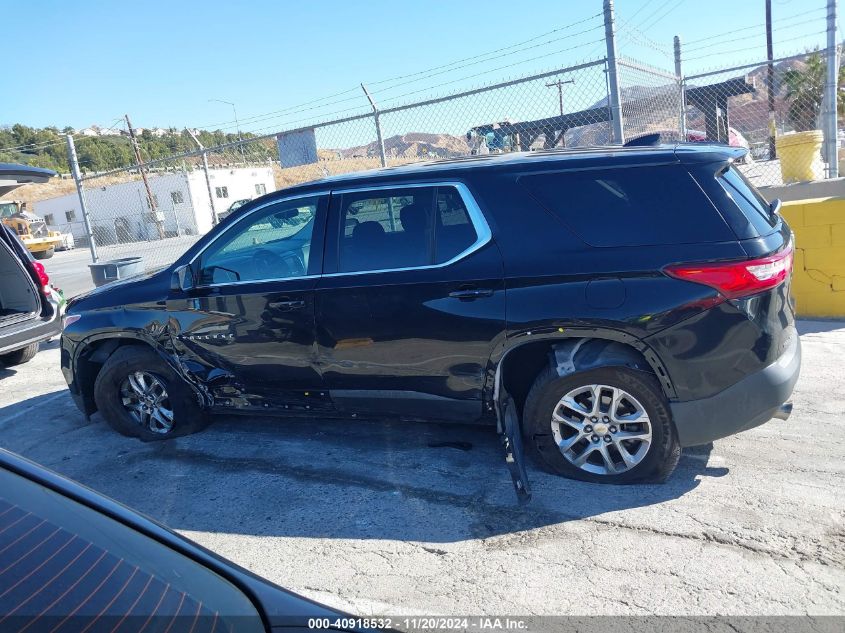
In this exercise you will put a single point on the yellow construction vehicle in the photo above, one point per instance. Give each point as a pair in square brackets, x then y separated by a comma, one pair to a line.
[33, 231]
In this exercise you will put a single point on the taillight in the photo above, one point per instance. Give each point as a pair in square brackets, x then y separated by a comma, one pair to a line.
[43, 277]
[741, 278]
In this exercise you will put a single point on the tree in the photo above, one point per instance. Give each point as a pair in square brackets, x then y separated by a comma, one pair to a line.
[805, 92]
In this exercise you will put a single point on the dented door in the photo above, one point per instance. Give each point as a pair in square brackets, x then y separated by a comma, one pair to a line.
[246, 330]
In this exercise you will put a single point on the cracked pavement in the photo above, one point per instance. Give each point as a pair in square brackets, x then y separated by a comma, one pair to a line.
[366, 516]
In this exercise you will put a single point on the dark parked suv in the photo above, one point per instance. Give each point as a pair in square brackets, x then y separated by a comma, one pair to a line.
[613, 304]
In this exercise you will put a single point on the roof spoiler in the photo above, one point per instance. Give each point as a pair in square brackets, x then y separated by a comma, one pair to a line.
[646, 140]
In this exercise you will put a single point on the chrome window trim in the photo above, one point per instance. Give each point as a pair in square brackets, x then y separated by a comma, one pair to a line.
[269, 203]
[479, 223]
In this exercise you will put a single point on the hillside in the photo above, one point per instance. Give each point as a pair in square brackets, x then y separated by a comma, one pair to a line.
[412, 145]
[46, 147]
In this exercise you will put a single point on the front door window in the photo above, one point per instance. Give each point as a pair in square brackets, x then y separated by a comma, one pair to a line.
[271, 243]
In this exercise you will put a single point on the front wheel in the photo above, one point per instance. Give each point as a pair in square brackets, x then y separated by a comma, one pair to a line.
[606, 425]
[139, 395]
[44, 254]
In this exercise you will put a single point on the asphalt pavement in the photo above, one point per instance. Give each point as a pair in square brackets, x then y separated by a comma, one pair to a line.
[381, 518]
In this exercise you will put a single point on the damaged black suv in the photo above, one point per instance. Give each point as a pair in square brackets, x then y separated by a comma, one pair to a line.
[604, 307]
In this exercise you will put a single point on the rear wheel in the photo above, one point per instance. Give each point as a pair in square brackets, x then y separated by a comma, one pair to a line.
[605, 425]
[44, 254]
[139, 395]
[20, 356]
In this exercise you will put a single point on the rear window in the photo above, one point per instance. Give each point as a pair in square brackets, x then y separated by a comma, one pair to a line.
[637, 206]
[753, 206]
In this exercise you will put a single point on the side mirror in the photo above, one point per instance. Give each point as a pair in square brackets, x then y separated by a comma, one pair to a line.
[182, 278]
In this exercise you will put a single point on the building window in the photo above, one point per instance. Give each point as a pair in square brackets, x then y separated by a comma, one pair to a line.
[222, 192]
[260, 189]
[176, 196]
[70, 216]
[48, 218]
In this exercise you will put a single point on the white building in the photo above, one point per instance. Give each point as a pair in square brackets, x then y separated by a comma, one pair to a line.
[120, 213]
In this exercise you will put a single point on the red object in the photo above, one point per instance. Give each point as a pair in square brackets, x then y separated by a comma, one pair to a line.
[43, 277]
[738, 279]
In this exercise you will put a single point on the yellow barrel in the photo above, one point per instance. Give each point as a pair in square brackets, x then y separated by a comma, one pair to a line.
[800, 157]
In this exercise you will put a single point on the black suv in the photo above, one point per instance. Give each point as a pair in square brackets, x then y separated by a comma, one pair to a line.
[613, 304]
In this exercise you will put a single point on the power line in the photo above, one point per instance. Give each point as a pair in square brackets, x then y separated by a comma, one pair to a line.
[637, 12]
[440, 85]
[498, 50]
[261, 118]
[752, 48]
[653, 13]
[492, 58]
[663, 15]
[758, 26]
[429, 72]
[564, 50]
[706, 46]
[289, 108]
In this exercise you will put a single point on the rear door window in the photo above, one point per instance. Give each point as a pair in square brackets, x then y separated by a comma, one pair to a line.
[400, 228]
[635, 206]
[753, 206]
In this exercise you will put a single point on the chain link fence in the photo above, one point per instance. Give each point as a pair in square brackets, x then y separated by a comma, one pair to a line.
[651, 101]
[184, 196]
[734, 106]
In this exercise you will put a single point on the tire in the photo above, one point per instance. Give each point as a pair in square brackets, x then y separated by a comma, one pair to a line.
[655, 457]
[44, 254]
[20, 356]
[113, 388]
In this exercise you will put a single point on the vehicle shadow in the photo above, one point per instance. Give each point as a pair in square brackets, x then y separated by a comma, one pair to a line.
[340, 479]
[370, 480]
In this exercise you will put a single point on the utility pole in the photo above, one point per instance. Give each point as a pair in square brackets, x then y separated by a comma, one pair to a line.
[679, 73]
[150, 198]
[559, 83]
[207, 176]
[770, 80]
[77, 178]
[830, 124]
[612, 73]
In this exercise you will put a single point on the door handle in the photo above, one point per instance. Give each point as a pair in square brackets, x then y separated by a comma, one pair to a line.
[471, 293]
[287, 305]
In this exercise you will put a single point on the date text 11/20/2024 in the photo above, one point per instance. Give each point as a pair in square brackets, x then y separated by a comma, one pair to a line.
[422, 623]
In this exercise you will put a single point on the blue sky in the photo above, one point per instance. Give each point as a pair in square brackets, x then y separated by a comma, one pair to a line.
[89, 62]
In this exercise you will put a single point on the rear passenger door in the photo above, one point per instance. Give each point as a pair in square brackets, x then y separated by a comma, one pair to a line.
[410, 302]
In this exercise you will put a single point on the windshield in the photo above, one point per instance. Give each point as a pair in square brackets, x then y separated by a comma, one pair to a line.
[8, 209]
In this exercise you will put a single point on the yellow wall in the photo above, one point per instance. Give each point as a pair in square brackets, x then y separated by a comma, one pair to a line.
[818, 281]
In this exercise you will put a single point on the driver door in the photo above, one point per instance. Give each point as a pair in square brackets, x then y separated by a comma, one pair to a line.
[247, 327]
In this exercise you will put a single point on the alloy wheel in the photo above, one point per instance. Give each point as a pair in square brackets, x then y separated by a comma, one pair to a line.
[145, 398]
[601, 429]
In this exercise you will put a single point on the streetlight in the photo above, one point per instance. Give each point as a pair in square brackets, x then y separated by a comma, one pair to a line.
[237, 125]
